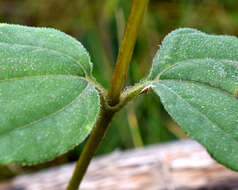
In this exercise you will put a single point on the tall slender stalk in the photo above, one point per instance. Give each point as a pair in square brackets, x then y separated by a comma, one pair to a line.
[126, 49]
[118, 79]
[90, 148]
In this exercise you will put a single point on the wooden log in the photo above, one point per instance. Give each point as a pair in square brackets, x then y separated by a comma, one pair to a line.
[180, 165]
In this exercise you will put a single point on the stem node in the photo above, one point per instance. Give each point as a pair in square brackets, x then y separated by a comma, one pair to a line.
[111, 104]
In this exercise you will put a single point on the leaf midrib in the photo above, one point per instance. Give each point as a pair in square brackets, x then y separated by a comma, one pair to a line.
[200, 84]
[55, 51]
[48, 116]
[204, 116]
[39, 76]
[184, 61]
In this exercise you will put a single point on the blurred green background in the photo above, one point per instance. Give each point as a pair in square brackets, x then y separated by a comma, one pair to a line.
[99, 26]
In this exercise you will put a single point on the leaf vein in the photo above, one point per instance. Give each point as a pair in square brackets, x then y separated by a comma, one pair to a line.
[204, 116]
[48, 116]
[55, 51]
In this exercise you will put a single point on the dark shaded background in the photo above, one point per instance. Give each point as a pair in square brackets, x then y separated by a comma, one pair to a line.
[99, 26]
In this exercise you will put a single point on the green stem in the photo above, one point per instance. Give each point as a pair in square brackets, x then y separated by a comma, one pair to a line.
[119, 76]
[91, 147]
[106, 114]
[126, 49]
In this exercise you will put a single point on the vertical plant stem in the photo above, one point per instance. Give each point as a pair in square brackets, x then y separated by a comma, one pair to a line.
[126, 49]
[117, 83]
[90, 148]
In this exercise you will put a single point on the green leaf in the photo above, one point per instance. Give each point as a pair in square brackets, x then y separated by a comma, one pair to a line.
[196, 77]
[26, 51]
[47, 103]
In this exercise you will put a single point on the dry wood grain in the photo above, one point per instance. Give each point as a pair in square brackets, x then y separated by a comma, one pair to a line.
[179, 165]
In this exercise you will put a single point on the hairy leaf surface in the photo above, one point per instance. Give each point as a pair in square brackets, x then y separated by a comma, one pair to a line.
[196, 77]
[47, 104]
[27, 50]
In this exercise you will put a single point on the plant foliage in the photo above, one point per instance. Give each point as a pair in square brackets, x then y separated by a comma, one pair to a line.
[47, 105]
[196, 77]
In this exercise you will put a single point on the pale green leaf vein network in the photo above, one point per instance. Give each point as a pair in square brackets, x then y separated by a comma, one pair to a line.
[56, 51]
[204, 116]
[48, 76]
[66, 139]
[188, 60]
[48, 116]
[220, 141]
[195, 82]
[49, 102]
[185, 43]
[196, 77]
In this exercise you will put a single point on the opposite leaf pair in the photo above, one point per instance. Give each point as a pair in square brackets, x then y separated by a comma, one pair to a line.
[48, 104]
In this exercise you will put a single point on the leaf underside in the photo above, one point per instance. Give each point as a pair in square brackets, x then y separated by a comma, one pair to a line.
[196, 77]
[47, 105]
